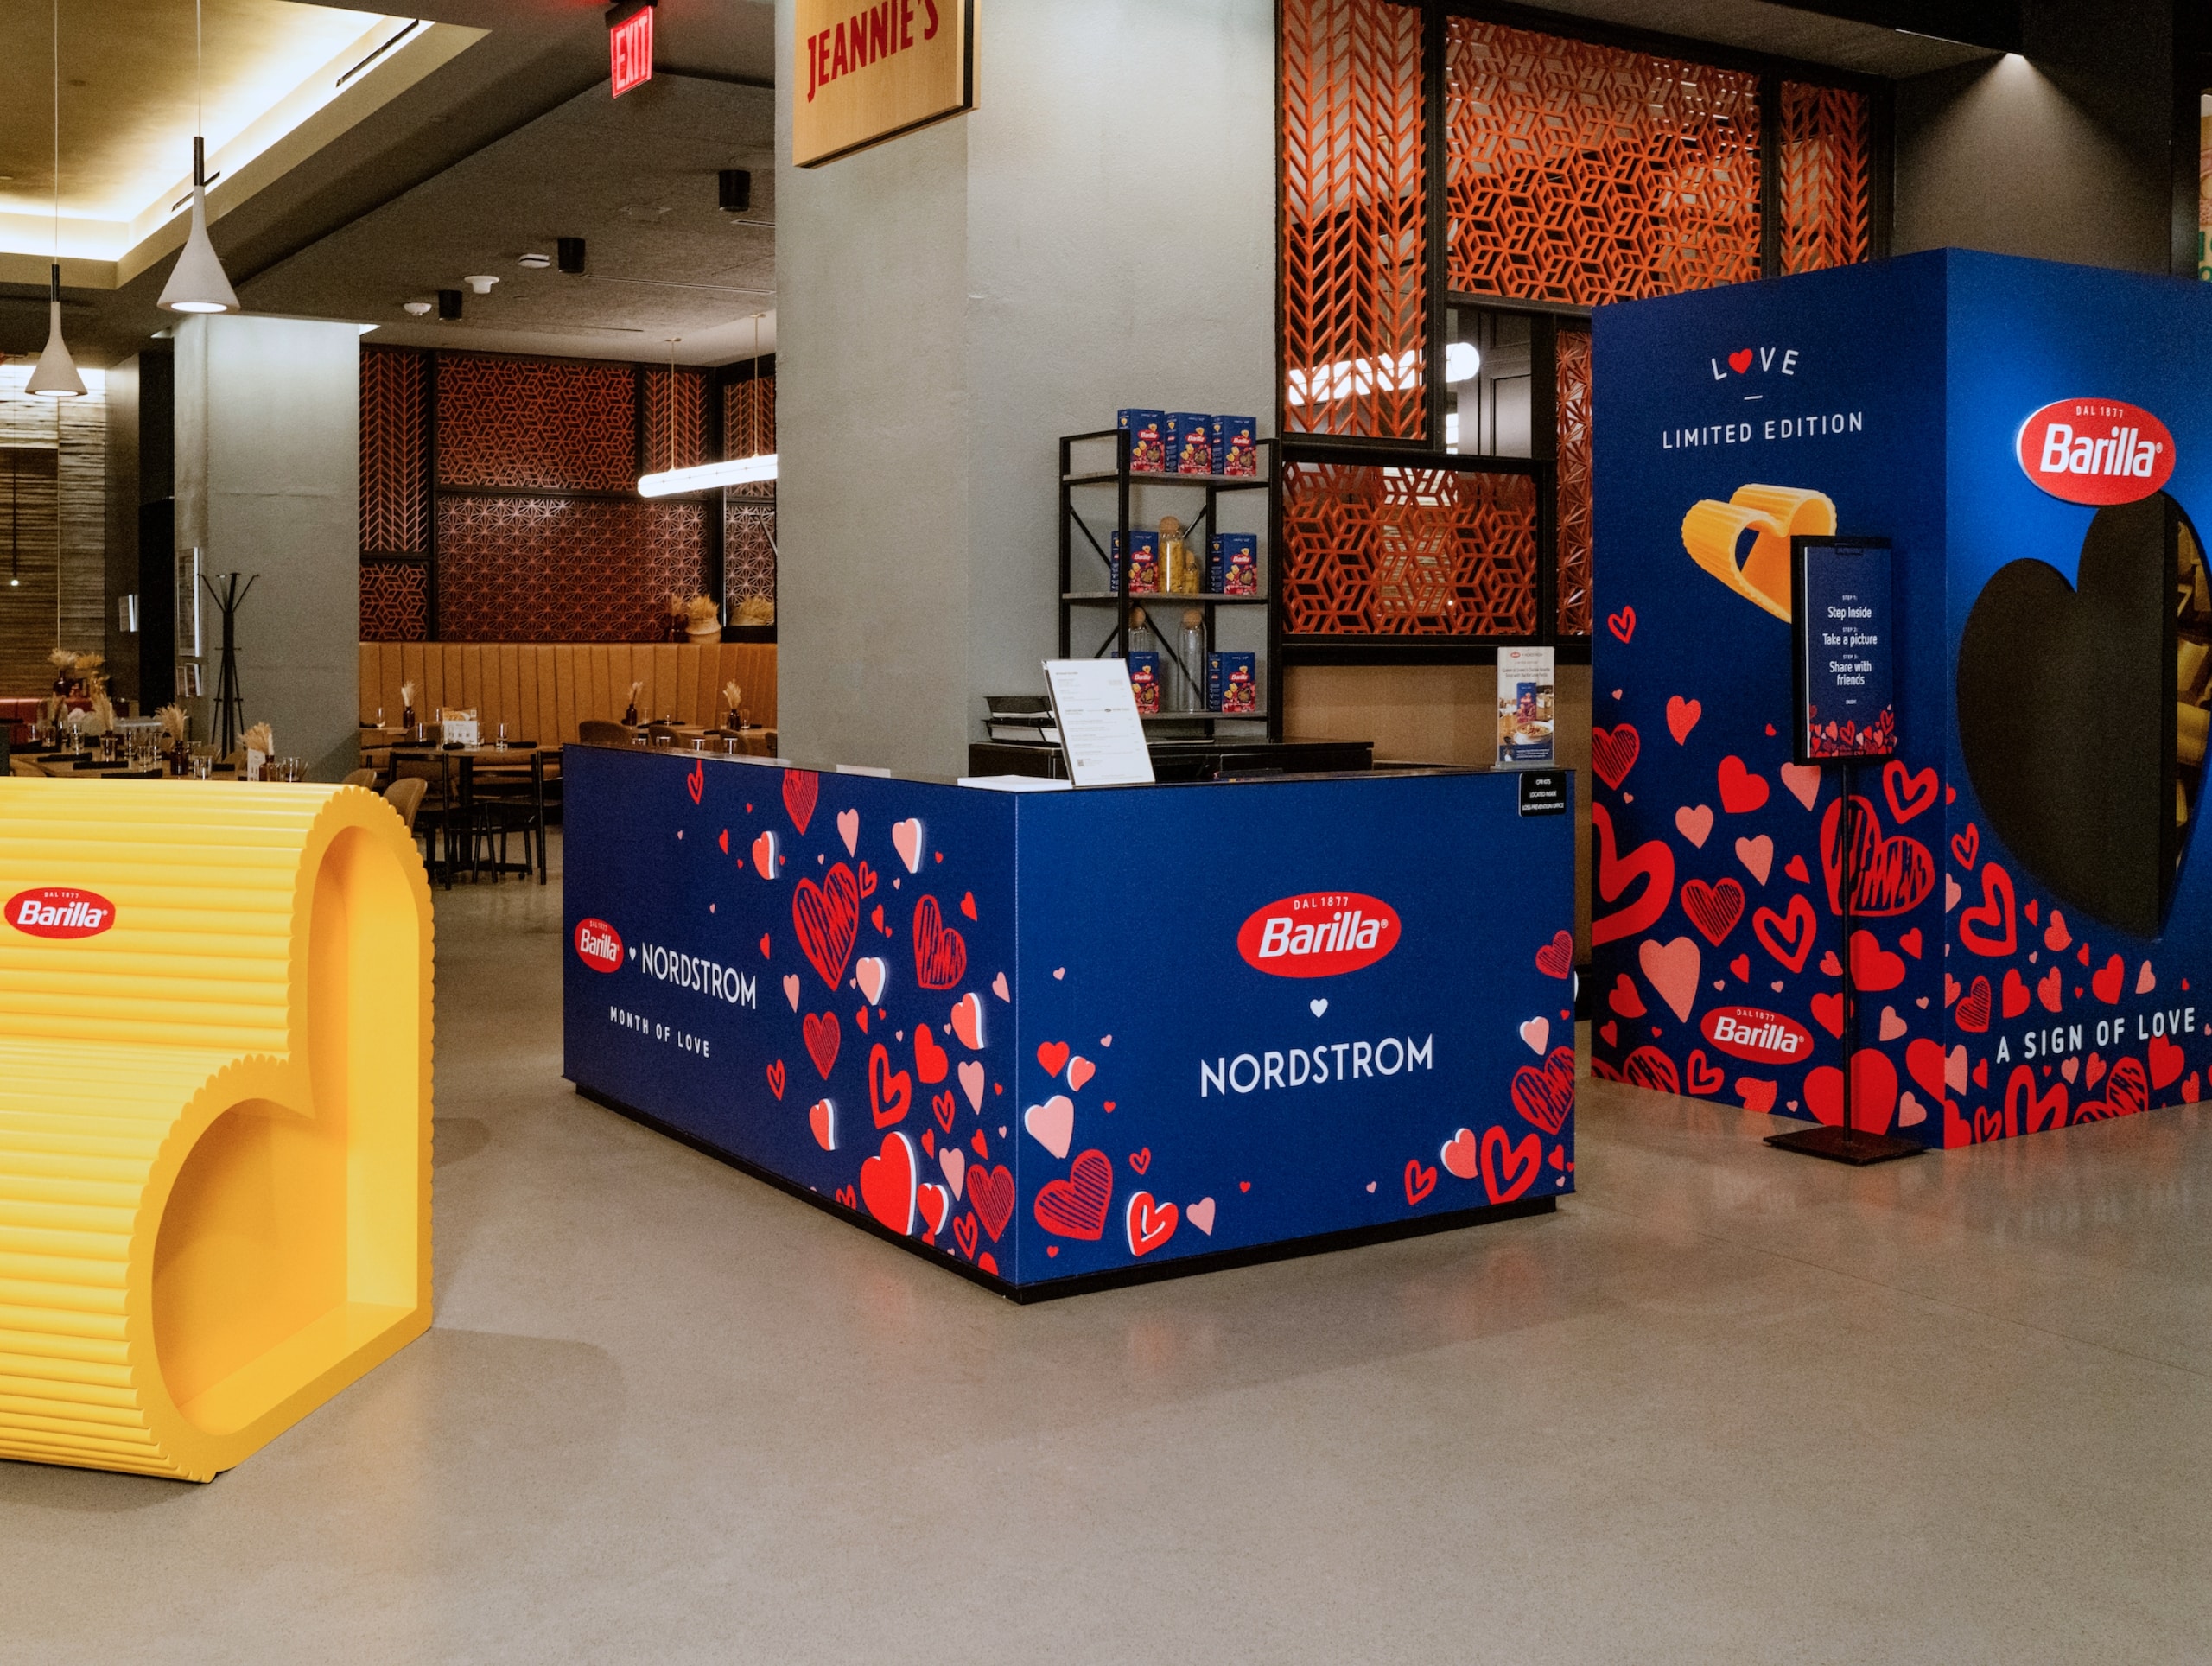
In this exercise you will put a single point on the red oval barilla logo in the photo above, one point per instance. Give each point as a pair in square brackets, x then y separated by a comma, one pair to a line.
[60, 911]
[2096, 451]
[1753, 1032]
[599, 945]
[1320, 934]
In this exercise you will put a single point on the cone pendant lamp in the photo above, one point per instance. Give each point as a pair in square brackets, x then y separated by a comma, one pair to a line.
[56, 373]
[198, 283]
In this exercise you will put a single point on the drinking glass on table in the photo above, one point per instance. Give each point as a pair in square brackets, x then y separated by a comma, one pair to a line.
[203, 767]
[499, 741]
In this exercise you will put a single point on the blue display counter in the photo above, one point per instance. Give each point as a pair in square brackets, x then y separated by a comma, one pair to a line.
[1063, 1039]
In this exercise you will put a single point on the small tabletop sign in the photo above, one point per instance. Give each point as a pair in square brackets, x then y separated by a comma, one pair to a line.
[1101, 734]
[1842, 624]
[1527, 687]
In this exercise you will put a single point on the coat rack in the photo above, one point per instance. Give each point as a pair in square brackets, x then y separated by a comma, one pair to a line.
[229, 703]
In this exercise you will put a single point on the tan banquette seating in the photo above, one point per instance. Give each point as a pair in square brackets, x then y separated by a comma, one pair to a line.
[542, 691]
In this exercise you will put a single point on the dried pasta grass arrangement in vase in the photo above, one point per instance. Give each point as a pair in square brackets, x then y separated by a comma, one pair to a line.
[703, 620]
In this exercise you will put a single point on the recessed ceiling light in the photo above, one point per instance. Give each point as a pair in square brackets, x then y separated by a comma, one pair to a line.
[537, 262]
[481, 285]
[415, 308]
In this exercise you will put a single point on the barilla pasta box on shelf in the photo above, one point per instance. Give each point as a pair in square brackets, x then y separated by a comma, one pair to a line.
[1143, 548]
[1190, 442]
[1234, 569]
[1144, 683]
[1234, 452]
[1231, 684]
[1148, 431]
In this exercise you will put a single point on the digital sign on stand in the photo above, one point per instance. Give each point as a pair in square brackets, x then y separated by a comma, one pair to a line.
[1842, 630]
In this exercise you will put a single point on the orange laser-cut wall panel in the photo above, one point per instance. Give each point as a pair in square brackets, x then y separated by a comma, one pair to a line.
[1827, 157]
[395, 453]
[676, 419]
[395, 602]
[545, 424]
[1587, 174]
[1355, 283]
[1572, 518]
[1371, 550]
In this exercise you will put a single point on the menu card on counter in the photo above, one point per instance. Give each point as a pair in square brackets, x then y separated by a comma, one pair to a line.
[1101, 734]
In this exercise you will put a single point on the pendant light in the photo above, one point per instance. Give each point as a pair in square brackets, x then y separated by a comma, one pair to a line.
[197, 283]
[15, 529]
[738, 471]
[55, 374]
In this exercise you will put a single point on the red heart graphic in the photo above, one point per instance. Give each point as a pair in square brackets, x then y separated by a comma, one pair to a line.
[940, 952]
[1702, 1077]
[801, 787]
[2012, 995]
[1740, 361]
[963, 1234]
[875, 919]
[1788, 938]
[2048, 990]
[2096, 1071]
[1713, 909]
[1508, 1169]
[1907, 794]
[695, 782]
[1053, 1056]
[1681, 716]
[1556, 958]
[1149, 1224]
[2106, 983]
[1910, 943]
[1742, 967]
[1874, 967]
[1654, 863]
[1741, 792]
[1973, 1011]
[725, 842]
[935, 1203]
[821, 1041]
[1420, 1181]
[1923, 1062]
[982, 1146]
[2129, 1090]
[2083, 954]
[1141, 1160]
[1076, 1207]
[1545, 1096]
[2025, 1113]
[887, 1184]
[890, 1093]
[931, 1061]
[2167, 1060]
[827, 918]
[1827, 1012]
[1622, 624]
[861, 1019]
[1613, 753]
[1967, 845]
[1460, 1155]
[848, 1197]
[1873, 1092]
[929, 1142]
[1994, 913]
[1757, 1095]
[764, 945]
[943, 1107]
[775, 1079]
[991, 1190]
[868, 885]
[1648, 1067]
[968, 904]
[1796, 870]
[1623, 998]
[1894, 875]
[1610, 1031]
[2029, 911]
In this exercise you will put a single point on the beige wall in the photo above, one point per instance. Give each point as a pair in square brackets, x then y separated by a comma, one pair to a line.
[1441, 715]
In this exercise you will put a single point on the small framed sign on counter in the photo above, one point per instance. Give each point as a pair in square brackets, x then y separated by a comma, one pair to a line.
[1842, 628]
[1101, 734]
[1527, 686]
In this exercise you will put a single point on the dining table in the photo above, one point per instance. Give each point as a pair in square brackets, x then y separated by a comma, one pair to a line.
[459, 798]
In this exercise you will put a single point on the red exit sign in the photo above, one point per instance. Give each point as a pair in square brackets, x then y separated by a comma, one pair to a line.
[630, 48]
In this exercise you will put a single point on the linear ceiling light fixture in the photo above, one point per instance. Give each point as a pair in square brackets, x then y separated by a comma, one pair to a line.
[198, 283]
[55, 374]
[705, 476]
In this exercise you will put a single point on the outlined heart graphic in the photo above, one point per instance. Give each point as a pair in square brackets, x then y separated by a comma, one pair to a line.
[1788, 936]
[822, 1118]
[1713, 909]
[971, 1083]
[1509, 1169]
[1460, 1155]
[1544, 1095]
[906, 840]
[890, 1093]
[801, 787]
[991, 1192]
[940, 952]
[2025, 1110]
[823, 1036]
[871, 973]
[944, 1108]
[963, 1234]
[775, 1079]
[1613, 753]
[1420, 1181]
[887, 1183]
[1051, 1124]
[1987, 928]
[1554, 959]
[1622, 624]
[932, 1062]
[968, 1022]
[1077, 1207]
[1894, 875]
[827, 919]
[1907, 794]
[695, 782]
[848, 830]
[1149, 1224]
[1653, 862]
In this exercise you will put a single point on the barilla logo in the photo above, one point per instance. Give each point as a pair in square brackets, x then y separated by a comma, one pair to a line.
[58, 911]
[599, 945]
[2096, 451]
[1321, 934]
[1755, 1033]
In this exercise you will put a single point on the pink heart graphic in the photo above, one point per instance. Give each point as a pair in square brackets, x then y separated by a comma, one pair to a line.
[872, 973]
[1051, 1124]
[1757, 856]
[1803, 781]
[1671, 969]
[848, 830]
[968, 1022]
[1080, 1069]
[1693, 822]
[954, 1162]
[1537, 1033]
[1910, 1110]
[1462, 1154]
[1892, 1026]
[998, 988]
[822, 1117]
[1954, 1069]
[1200, 1215]
[790, 989]
[971, 1083]
[906, 840]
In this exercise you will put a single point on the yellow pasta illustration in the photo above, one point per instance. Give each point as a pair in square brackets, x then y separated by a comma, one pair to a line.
[1713, 533]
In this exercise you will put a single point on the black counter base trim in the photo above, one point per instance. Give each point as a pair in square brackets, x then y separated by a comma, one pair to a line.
[1214, 1260]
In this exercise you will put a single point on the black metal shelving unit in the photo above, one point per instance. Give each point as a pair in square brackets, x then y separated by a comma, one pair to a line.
[1198, 533]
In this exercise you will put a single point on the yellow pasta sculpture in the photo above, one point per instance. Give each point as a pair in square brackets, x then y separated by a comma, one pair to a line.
[214, 1113]
[1712, 532]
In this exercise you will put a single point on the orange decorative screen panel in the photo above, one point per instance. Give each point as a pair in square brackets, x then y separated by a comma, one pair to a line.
[1827, 165]
[1587, 174]
[1573, 520]
[395, 454]
[1354, 188]
[749, 416]
[395, 602]
[676, 419]
[543, 424]
[1373, 551]
[565, 569]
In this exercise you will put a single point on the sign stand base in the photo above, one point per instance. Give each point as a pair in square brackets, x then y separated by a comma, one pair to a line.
[1838, 1145]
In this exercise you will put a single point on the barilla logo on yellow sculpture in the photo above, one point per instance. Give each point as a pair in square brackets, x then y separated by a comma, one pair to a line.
[2096, 451]
[1320, 934]
[599, 945]
[60, 911]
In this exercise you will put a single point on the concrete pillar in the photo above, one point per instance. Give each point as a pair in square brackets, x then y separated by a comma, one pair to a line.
[1099, 232]
[268, 481]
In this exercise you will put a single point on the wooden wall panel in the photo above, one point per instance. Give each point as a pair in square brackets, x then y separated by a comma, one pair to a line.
[543, 690]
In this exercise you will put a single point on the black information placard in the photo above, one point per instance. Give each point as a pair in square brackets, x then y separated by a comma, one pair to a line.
[1543, 792]
[1842, 623]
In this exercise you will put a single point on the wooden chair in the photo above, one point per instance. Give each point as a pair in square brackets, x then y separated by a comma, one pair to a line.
[25, 767]
[596, 731]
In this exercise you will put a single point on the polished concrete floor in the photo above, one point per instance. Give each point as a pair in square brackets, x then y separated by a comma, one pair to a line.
[1727, 1405]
